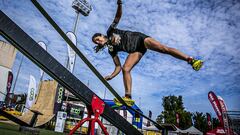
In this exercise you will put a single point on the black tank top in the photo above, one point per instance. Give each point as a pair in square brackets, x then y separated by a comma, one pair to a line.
[126, 41]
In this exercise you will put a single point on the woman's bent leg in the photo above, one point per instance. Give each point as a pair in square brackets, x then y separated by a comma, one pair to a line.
[131, 61]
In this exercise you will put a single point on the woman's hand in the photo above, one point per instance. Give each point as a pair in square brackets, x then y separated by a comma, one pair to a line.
[119, 2]
[108, 77]
[116, 70]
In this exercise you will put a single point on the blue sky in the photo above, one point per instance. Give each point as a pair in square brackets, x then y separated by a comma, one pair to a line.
[209, 30]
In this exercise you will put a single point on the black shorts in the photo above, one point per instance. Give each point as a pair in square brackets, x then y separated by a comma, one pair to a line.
[140, 44]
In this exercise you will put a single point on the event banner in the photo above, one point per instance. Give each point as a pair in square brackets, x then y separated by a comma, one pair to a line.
[222, 104]
[149, 116]
[71, 53]
[177, 119]
[209, 121]
[59, 98]
[9, 85]
[216, 106]
[224, 113]
[31, 92]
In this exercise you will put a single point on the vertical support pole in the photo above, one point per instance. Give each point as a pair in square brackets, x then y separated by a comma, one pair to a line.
[19, 68]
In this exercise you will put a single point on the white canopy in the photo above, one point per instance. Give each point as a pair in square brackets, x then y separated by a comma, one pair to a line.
[150, 128]
[192, 131]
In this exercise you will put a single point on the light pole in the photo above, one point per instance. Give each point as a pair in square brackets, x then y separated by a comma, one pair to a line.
[104, 96]
[83, 7]
[19, 68]
[140, 102]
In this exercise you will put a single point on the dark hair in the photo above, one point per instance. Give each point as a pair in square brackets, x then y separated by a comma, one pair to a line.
[97, 48]
[96, 35]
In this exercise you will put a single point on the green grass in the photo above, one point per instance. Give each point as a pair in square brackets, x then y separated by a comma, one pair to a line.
[9, 129]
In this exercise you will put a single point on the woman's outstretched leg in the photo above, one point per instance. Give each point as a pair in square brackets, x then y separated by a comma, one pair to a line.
[154, 45]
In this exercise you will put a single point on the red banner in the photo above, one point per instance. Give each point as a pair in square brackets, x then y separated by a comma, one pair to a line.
[9, 85]
[216, 131]
[177, 119]
[225, 116]
[222, 104]
[209, 121]
[216, 106]
[9, 82]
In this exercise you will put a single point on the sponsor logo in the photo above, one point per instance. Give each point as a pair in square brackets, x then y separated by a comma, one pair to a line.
[31, 97]
[217, 109]
[220, 131]
[60, 95]
[209, 123]
[75, 111]
[222, 106]
[214, 104]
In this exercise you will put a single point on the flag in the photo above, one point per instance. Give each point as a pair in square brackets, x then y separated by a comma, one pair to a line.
[177, 119]
[224, 112]
[209, 121]
[149, 116]
[9, 85]
[216, 106]
[71, 53]
[31, 92]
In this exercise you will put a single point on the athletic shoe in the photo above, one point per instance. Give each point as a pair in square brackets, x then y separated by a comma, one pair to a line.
[196, 64]
[128, 101]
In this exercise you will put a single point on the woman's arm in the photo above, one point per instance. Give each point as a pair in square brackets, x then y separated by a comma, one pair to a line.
[116, 19]
[117, 69]
[118, 13]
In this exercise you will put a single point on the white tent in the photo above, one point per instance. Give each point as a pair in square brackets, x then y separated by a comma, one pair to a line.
[178, 131]
[150, 128]
[192, 131]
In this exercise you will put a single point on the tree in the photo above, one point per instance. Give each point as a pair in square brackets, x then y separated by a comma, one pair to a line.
[200, 121]
[174, 105]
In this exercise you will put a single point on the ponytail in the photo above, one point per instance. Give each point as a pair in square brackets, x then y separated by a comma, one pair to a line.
[98, 48]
